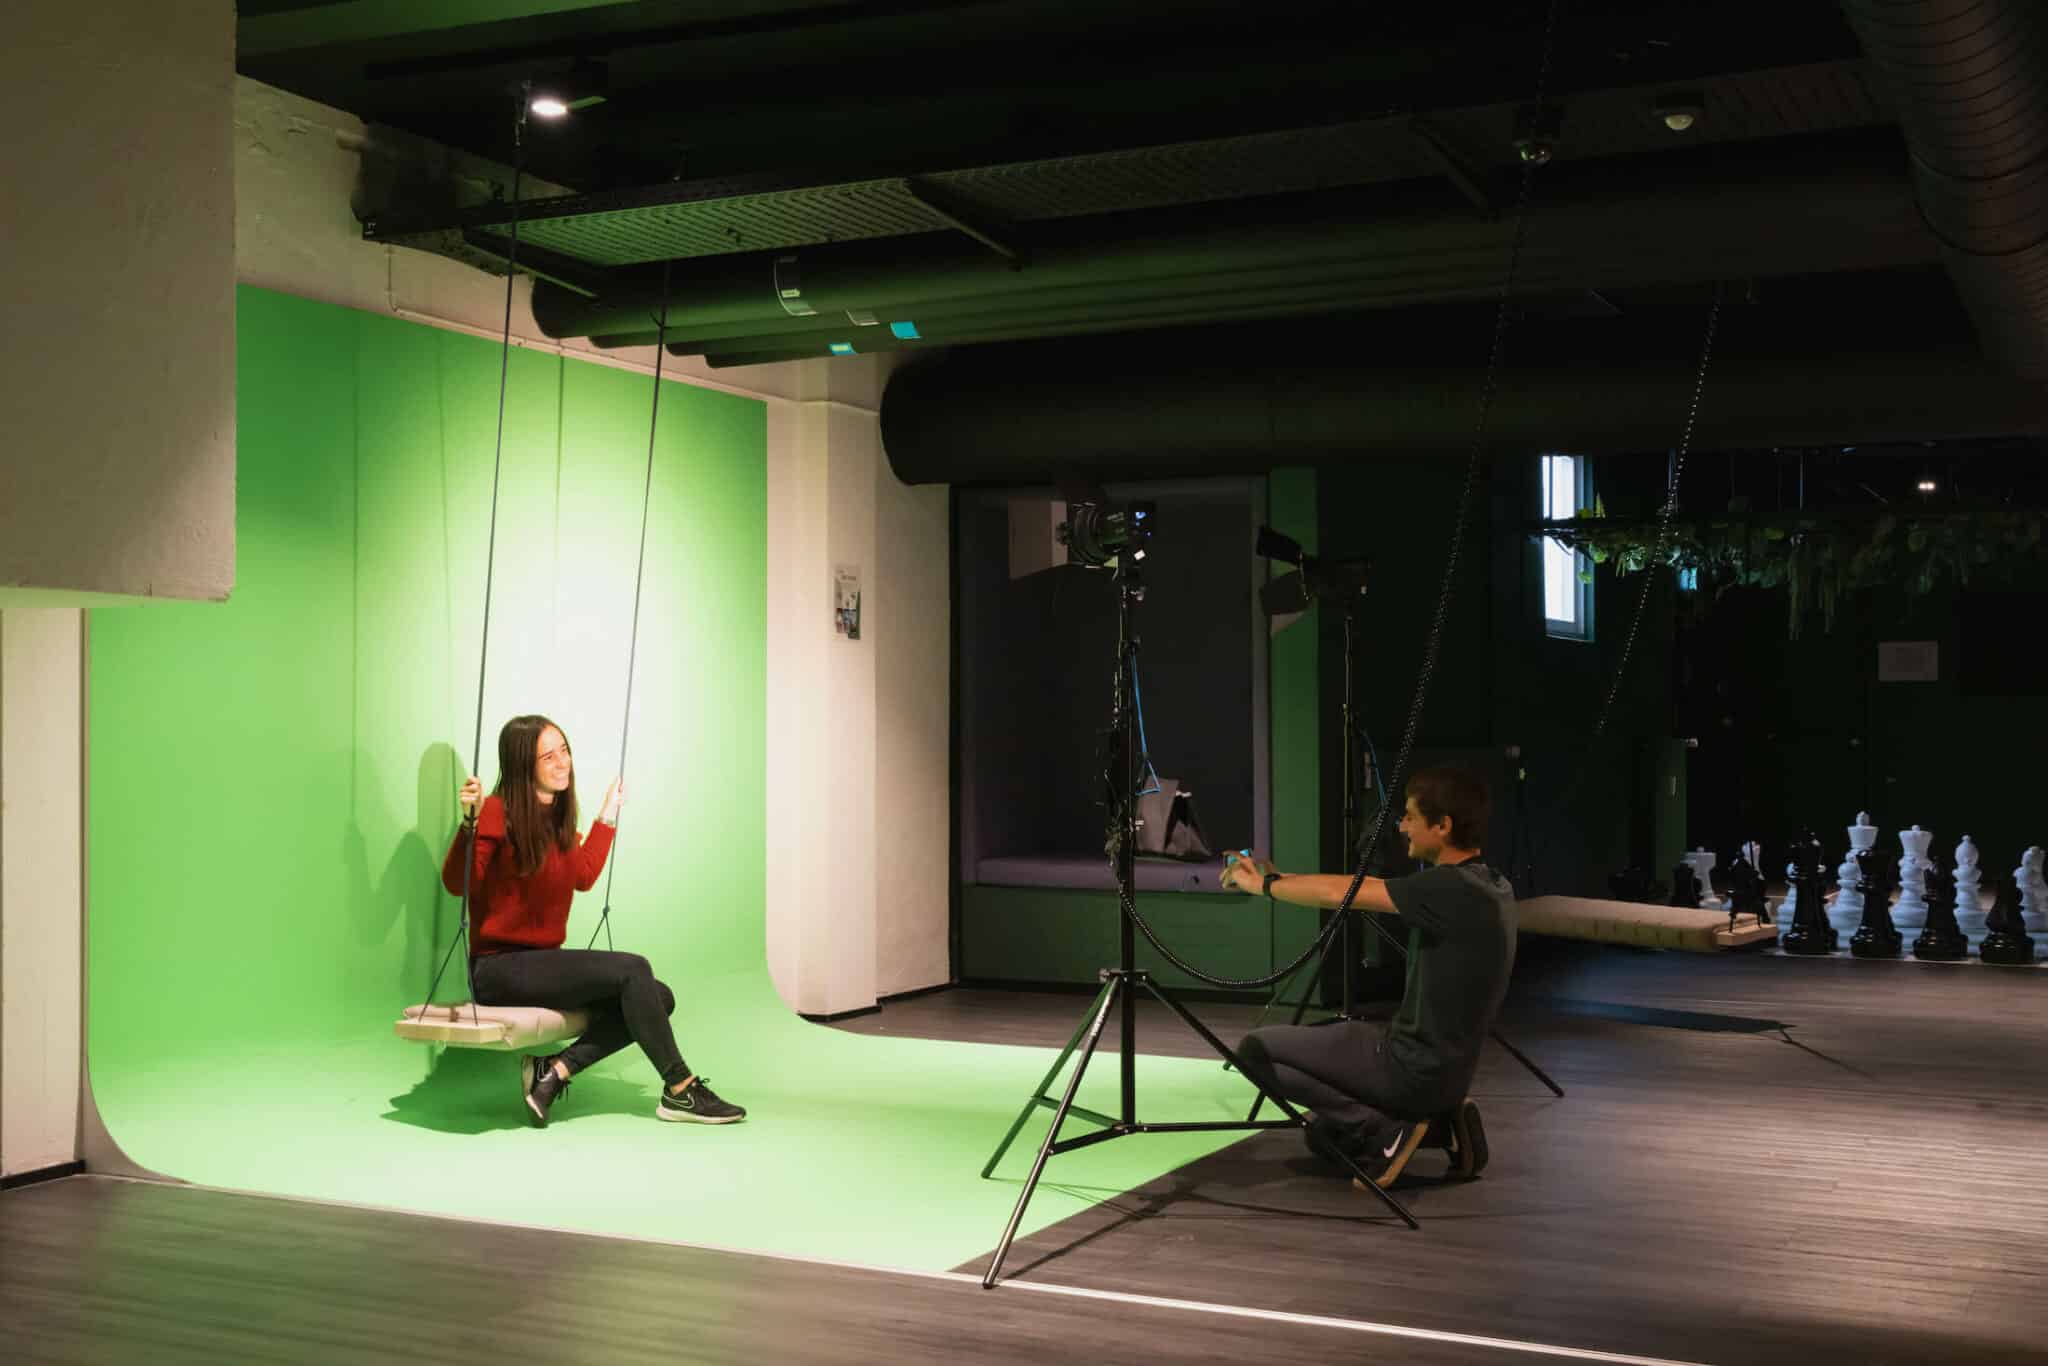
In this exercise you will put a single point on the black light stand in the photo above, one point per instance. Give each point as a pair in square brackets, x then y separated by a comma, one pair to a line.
[1121, 984]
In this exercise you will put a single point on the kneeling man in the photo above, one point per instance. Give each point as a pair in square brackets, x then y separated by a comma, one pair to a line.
[1380, 1092]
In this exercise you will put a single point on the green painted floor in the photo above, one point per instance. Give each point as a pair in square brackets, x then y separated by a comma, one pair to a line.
[856, 1148]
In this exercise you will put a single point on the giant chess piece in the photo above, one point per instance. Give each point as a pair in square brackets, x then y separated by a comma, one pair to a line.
[1911, 912]
[2005, 939]
[1876, 936]
[1703, 861]
[1809, 935]
[2033, 889]
[1746, 887]
[1849, 902]
[1754, 897]
[1969, 909]
[1942, 941]
[1685, 885]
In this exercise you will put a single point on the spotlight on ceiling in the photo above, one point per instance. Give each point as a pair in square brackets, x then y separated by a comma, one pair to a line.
[1927, 486]
[555, 96]
[1680, 110]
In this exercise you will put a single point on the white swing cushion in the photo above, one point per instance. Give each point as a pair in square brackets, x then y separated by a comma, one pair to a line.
[508, 1028]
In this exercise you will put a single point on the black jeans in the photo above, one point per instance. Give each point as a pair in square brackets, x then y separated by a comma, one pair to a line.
[626, 1004]
[1341, 1071]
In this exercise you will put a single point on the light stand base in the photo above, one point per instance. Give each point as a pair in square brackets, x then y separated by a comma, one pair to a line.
[1118, 983]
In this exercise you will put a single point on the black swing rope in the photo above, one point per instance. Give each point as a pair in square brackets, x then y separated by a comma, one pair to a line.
[611, 867]
[490, 562]
[1430, 651]
[1562, 807]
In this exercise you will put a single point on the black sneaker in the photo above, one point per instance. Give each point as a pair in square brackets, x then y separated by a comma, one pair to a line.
[1383, 1158]
[1331, 1141]
[1468, 1140]
[543, 1086]
[698, 1104]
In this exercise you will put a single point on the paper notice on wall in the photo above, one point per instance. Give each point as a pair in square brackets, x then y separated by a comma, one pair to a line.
[846, 601]
[1909, 661]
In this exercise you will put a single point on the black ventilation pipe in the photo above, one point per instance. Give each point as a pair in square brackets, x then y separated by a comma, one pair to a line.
[1735, 214]
[1031, 413]
[1969, 82]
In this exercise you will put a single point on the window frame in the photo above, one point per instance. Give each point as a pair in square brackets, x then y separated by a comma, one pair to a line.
[1578, 627]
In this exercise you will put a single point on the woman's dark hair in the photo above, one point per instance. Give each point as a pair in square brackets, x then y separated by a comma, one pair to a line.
[1457, 793]
[531, 827]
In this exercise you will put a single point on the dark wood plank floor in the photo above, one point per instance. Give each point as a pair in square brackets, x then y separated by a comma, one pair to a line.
[103, 1271]
[1759, 1160]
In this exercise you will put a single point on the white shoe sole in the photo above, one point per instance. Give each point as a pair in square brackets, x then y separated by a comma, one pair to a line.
[686, 1117]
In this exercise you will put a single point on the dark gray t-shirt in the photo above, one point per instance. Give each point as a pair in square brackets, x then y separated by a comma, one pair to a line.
[1461, 948]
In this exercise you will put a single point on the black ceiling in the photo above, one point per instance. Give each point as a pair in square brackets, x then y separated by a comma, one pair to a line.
[999, 169]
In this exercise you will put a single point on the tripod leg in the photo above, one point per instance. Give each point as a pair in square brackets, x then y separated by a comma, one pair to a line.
[1058, 1063]
[1052, 1134]
[1522, 1058]
[1386, 1196]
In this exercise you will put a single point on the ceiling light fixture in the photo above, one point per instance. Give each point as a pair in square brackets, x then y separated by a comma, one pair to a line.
[548, 106]
[1680, 110]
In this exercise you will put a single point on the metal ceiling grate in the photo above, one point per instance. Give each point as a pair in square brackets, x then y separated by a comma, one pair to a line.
[719, 219]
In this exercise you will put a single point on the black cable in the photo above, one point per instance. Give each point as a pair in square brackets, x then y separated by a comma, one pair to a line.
[1432, 645]
[490, 555]
[604, 920]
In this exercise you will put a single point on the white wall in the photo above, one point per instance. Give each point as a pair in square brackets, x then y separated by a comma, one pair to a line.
[41, 864]
[116, 229]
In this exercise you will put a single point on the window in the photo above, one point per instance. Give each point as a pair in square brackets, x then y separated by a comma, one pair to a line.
[1567, 574]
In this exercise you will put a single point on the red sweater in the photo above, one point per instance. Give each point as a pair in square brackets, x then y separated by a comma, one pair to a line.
[513, 912]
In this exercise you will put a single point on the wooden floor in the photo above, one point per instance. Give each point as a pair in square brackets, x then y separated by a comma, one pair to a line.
[1759, 1160]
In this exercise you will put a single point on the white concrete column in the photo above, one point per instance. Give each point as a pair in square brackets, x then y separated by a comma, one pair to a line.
[41, 885]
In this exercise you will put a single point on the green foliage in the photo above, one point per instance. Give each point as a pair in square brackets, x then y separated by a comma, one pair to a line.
[1820, 557]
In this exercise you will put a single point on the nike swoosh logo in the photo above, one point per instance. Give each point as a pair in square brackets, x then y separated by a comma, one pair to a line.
[1388, 1151]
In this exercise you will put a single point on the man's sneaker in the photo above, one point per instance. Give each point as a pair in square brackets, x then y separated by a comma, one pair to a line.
[1468, 1140]
[1389, 1150]
[1331, 1141]
[543, 1086]
[698, 1104]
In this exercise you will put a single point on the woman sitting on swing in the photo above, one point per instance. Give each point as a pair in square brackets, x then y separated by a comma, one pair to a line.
[528, 865]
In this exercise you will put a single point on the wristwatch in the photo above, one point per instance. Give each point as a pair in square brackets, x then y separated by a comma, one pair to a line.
[1271, 878]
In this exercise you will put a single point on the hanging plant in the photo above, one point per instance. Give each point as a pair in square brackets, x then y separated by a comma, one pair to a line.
[1819, 557]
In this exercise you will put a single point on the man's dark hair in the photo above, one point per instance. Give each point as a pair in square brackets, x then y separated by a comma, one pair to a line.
[1458, 793]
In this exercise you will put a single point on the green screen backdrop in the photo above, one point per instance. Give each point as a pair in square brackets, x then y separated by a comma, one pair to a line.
[272, 788]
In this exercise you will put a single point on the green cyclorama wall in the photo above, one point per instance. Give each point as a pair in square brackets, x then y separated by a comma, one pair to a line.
[272, 788]
[272, 780]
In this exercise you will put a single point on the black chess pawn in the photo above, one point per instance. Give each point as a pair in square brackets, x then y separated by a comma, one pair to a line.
[1746, 884]
[1943, 941]
[2005, 939]
[1809, 935]
[1876, 937]
[1685, 886]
